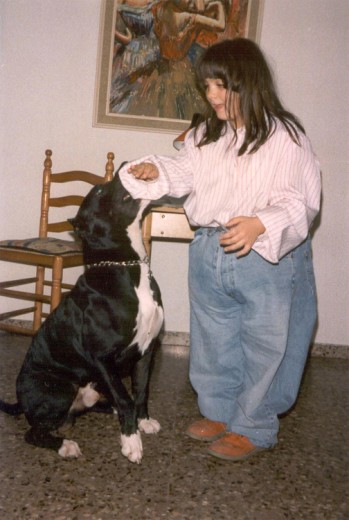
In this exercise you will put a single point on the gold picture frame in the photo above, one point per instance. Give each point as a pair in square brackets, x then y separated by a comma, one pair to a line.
[138, 71]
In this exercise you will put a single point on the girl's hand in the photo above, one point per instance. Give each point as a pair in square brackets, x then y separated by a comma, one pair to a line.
[241, 235]
[144, 171]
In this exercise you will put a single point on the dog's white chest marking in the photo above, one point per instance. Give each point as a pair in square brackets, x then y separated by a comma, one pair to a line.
[150, 316]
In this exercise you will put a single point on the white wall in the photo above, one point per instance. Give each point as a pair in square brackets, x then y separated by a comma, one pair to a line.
[309, 45]
[48, 64]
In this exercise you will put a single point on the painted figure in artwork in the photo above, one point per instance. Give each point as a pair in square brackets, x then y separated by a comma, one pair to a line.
[170, 91]
[157, 44]
[136, 51]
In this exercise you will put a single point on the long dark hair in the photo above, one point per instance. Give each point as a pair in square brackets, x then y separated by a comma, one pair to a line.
[242, 67]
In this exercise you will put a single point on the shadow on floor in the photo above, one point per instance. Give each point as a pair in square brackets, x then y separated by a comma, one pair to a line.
[304, 477]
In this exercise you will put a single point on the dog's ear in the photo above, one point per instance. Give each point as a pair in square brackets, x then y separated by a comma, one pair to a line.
[116, 175]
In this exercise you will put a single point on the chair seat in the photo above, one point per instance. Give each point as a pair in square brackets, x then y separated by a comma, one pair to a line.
[48, 246]
[45, 254]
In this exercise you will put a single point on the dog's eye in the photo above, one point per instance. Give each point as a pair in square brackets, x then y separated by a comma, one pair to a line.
[99, 191]
[126, 197]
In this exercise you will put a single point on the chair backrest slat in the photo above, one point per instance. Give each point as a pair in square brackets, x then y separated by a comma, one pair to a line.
[59, 227]
[48, 201]
[68, 200]
[90, 178]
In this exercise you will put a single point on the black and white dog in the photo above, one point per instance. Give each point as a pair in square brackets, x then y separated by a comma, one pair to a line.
[106, 327]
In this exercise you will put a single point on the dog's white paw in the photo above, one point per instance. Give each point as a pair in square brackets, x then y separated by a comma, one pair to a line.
[149, 425]
[89, 395]
[69, 450]
[131, 447]
[85, 398]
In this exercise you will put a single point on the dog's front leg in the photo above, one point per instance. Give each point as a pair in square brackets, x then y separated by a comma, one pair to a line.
[140, 389]
[131, 442]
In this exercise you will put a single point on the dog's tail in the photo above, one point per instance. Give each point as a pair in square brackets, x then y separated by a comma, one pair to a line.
[11, 409]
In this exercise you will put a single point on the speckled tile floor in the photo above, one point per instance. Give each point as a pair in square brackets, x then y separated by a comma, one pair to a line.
[304, 477]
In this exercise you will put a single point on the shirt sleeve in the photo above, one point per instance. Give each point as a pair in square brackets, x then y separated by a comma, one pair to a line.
[175, 176]
[294, 201]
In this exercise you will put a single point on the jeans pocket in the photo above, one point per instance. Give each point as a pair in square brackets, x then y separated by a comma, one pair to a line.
[198, 235]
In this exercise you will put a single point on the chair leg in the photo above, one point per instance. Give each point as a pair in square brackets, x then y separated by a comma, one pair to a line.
[146, 234]
[39, 289]
[57, 275]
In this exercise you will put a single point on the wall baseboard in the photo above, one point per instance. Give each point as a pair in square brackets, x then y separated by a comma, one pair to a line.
[316, 349]
[182, 339]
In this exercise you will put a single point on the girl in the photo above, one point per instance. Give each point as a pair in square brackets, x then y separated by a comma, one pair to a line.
[254, 190]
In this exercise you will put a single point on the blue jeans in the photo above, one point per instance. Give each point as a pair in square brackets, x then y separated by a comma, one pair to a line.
[251, 326]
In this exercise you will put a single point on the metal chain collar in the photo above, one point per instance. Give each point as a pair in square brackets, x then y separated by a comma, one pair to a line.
[125, 263]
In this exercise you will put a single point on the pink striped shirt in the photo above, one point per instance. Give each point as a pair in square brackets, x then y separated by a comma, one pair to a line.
[280, 183]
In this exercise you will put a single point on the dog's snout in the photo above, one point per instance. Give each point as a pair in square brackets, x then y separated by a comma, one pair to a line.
[75, 223]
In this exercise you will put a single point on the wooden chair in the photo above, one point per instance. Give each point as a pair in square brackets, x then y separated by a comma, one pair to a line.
[166, 223]
[45, 251]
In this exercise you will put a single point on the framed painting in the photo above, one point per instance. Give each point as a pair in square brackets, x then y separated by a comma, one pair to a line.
[147, 55]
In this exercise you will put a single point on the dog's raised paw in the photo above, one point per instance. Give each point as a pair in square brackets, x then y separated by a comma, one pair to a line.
[131, 447]
[69, 450]
[149, 425]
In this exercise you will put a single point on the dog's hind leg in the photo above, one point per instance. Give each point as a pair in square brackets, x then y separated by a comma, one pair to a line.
[46, 399]
[43, 439]
[103, 406]
[86, 398]
[11, 409]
